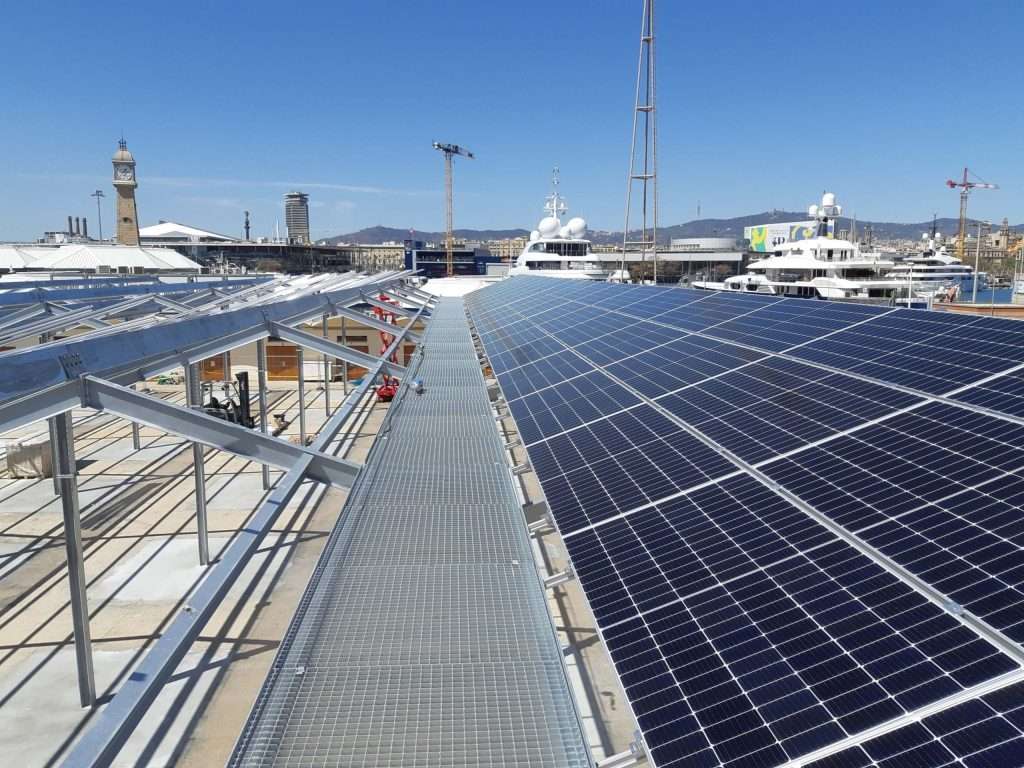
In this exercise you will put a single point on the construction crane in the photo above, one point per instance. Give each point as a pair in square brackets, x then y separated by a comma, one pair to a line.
[449, 151]
[965, 186]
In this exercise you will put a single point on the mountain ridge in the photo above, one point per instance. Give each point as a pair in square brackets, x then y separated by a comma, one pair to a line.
[707, 227]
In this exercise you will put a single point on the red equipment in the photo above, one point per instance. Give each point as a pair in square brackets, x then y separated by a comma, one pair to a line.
[389, 388]
[386, 392]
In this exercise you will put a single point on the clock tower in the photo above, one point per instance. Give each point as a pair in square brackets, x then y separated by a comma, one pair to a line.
[124, 185]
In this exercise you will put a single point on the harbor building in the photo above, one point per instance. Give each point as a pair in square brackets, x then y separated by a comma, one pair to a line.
[711, 256]
[432, 260]
[174, 233]
[296, 217]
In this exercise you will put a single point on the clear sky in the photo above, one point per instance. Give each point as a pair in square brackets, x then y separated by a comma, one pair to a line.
[762, 105]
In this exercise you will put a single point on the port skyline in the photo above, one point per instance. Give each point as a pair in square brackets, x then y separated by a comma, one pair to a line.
[890, 143]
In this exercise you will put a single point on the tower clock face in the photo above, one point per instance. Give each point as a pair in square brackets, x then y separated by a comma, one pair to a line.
[124, 173]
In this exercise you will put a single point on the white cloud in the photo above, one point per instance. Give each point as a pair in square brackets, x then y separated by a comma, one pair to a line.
[189, 181]
[196, 182]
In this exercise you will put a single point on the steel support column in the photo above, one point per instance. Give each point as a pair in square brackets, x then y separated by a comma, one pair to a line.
[64, 471]
[344, 364]
[193, 398]
[136, 442]
[299, 356]
[54, 458]
[327, 370]
[261, 367]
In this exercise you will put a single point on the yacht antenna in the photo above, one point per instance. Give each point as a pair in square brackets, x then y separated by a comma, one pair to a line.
[644, 169]
[555, 205]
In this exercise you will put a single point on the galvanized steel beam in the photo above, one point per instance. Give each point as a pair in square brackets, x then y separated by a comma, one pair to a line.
[66, 476]
[261, 372]
[109, 292]
[372, 322]
[327, 368]
[320, 344]
[142, 350]
[217, 433]
[193, 399]
[388, 306]
[301, 359]
[101, 743]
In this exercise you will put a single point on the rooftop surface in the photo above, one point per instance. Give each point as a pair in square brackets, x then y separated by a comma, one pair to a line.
[795, 526]
[424, 637]
[797, 522]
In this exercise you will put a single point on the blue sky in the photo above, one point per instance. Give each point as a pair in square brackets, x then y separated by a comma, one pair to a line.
[227, 106]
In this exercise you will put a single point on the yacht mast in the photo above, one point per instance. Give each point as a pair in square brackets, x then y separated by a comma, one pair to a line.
[644, 169]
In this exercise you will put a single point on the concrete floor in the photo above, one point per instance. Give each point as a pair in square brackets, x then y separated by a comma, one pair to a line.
[141, 562]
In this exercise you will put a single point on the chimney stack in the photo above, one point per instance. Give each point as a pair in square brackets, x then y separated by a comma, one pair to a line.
[85, 228]
[247, 226]
[71, 230]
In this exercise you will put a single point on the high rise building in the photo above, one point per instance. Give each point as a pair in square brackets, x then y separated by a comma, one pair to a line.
[125, 184]
[296, 216]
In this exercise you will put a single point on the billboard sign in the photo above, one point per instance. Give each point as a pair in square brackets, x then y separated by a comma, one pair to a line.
[766, 237]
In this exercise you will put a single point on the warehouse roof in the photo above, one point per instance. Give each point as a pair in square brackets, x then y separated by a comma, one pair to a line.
[89, 256]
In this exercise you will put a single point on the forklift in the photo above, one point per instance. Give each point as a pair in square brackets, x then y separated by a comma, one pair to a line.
[233, 404]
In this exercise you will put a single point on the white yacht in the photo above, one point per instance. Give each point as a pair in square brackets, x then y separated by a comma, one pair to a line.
[819, 267]
[935, 271]
[557, 250]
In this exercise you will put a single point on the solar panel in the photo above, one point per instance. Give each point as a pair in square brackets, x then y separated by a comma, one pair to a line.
[1003, 393]
[792, 550]
[987, 731]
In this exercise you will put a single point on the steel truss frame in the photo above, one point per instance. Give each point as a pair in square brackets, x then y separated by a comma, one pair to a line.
[96, 370]
[104, 739]
[14, 297]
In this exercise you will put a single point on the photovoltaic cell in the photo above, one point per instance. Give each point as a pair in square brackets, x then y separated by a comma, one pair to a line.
[985, 732]
[617, 464]
[790, 657]
[934, 354]
[1004, 394]
[951, 518]
[746, 633]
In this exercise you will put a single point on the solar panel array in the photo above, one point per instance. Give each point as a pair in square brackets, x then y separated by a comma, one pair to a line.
[798, 523]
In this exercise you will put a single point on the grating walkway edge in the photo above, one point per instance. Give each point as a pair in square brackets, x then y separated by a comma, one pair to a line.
[423, 638]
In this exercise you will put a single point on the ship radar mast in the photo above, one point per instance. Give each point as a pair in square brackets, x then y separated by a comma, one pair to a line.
[555, 205]
[828, 210]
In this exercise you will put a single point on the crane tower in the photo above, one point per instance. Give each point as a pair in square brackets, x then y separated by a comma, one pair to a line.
[965, 186]
[449, 151]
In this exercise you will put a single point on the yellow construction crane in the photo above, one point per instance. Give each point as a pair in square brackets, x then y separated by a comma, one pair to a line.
[449, 151]
[965, 186]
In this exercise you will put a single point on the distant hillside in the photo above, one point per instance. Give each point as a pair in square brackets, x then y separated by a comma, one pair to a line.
[699, 228]
[380, 234]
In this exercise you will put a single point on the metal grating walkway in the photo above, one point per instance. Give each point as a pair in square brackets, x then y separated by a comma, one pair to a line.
[423, 638]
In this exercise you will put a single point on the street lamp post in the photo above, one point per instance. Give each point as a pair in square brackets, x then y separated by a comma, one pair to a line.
[977, 261]
[98, 194]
